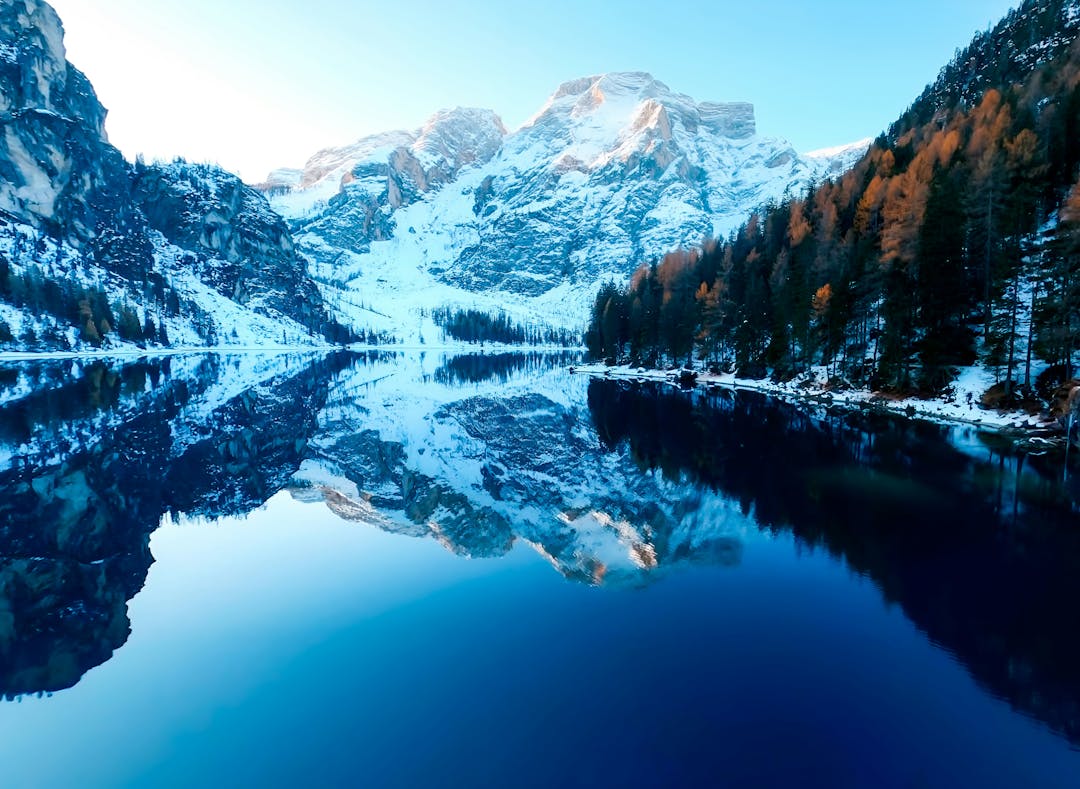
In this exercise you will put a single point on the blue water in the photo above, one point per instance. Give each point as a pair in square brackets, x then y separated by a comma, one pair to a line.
[286, 646]
[292, 648]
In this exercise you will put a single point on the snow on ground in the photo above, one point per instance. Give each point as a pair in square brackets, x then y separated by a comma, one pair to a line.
[394, 287]
[839, 158]
[231, 323]
[961, 402]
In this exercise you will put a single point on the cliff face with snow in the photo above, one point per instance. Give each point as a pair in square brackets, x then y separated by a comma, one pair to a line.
[613, 171]
[59, 172]
[187, 248]
[236, 244]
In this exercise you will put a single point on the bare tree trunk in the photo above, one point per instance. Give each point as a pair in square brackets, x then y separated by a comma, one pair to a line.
[986, 267]
[1031, 335]
[1012, 333]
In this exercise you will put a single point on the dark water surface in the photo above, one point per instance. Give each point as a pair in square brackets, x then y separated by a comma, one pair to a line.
[422, 570]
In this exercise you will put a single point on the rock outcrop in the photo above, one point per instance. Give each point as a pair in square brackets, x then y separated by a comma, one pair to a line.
[239, 246]
[57, 169]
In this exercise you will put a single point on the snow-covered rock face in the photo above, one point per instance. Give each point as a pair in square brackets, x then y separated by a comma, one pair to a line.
[190, 236]
[614, 170]
[37, 52]
[243, 249]
[364, 183]
[56, 168]
[833, 162]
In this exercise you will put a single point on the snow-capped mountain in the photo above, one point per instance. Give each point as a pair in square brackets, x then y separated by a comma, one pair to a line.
[614, 170]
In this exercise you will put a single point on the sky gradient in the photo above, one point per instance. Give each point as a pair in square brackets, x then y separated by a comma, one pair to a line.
[259, 84]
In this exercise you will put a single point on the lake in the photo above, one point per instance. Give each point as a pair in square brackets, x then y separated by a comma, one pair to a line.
[419, 569]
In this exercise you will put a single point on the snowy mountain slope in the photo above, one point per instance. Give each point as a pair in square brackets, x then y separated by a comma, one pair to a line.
[183, 246]
[614, 170]
[172, 303]
[839, 159]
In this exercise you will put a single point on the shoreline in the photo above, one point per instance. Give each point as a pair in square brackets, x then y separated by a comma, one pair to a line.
[141, 353]
[1014, 424]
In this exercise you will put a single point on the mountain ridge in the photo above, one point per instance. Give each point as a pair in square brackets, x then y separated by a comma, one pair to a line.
[611, 171]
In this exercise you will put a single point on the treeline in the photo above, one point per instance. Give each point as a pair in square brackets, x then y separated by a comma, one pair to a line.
[364, 337]
[476, 326]
[953, 237]
[85, 308]
[39, 275]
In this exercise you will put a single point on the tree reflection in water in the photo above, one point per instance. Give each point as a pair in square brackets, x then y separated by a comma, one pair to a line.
[979, 546]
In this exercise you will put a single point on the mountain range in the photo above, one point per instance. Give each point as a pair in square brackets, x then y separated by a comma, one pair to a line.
[367, 240]
[386, 238]
[613, 171]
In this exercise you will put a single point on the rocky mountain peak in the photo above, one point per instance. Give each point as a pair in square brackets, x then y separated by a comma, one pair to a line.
[453, 139]
[461, 132]
[639, 84]
[613, 99]
[339, 160]
[449, 140]
[612, 171]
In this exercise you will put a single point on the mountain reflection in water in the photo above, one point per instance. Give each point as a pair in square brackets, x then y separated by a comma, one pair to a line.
[613, 483]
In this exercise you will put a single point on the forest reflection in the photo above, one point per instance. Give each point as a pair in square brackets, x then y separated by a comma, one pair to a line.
[978, 544]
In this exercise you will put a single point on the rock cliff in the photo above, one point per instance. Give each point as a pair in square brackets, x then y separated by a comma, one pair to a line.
[185, 247]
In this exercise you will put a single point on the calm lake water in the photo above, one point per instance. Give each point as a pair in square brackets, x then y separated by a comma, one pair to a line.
[422, 570]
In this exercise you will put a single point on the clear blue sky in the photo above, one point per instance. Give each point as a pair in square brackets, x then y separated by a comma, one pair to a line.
[256, 84]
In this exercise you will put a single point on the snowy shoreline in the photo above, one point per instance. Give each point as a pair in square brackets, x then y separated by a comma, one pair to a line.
[962, 407]
[129, 353]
